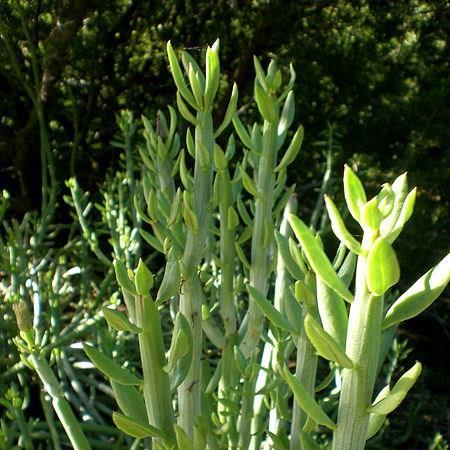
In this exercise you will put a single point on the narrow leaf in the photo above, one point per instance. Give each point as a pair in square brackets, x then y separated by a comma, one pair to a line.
[269, 311]
[248, 183]
[266, 105]
[170, 283]
[376, 420]
[287, 116]
[231, 109]
[178, 77]
[129, 399]
[152, 240]
[354, 192]
[333, 313]
[260, 75]
[400, 190]
[242, 133]
[339, 228]
[317, 258]
[324, 344]
[184, 110]
[292, 150]
[182, 439]
[212, 74]
[420, 295]
[122, 277]
[110, 368]
[405, 215]
[306, 401]
[178, 348]
[308, 442]
[398, 392]
[119, 321]
[134, 428]
[290, 264]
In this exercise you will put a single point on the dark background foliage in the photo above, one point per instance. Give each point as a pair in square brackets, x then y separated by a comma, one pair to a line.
[378, 70]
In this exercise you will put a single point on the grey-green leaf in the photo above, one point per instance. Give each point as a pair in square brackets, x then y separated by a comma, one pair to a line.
[170, 283]
[269, 311]
[420, 295]
[332, 311]
[129, 399]
[122, 277]
[325, 345]
[398, 392]
[143, 279]
[317, 258]
[110, 368]
[306, 401]
[293, 149]
[134, 428]
[339, 228]
[119, 321]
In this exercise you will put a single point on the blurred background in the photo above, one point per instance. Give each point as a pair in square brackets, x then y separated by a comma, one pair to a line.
[372, 90]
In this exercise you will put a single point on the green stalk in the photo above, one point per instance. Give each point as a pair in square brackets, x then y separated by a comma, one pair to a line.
[60, 404]
[363, 342]
[157, 396]
[49, 418]
[269, 358]
[25, 435]
[260, 251]
[189, 393]
[306, 369]
[259, 269]
[227, 255]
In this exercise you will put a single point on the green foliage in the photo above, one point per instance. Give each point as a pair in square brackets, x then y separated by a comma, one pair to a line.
[68, 72]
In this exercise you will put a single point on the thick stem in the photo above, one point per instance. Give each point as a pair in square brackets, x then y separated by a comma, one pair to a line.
[60, 404]
[363, 343]
[189, 393]
[305, 371]
[270, 357]
[157, 396]
[227, 255]
[259, 271]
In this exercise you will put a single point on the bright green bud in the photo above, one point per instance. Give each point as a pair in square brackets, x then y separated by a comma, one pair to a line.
[143, 279]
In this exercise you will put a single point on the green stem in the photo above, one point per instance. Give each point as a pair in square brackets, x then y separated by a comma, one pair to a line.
[227, 255]
[259, 271]
[60, 404]
[363, 343]
[24, 429]
[270, 357]
[260, 251]
[189, 393]
[157, 397]
[305, 371]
